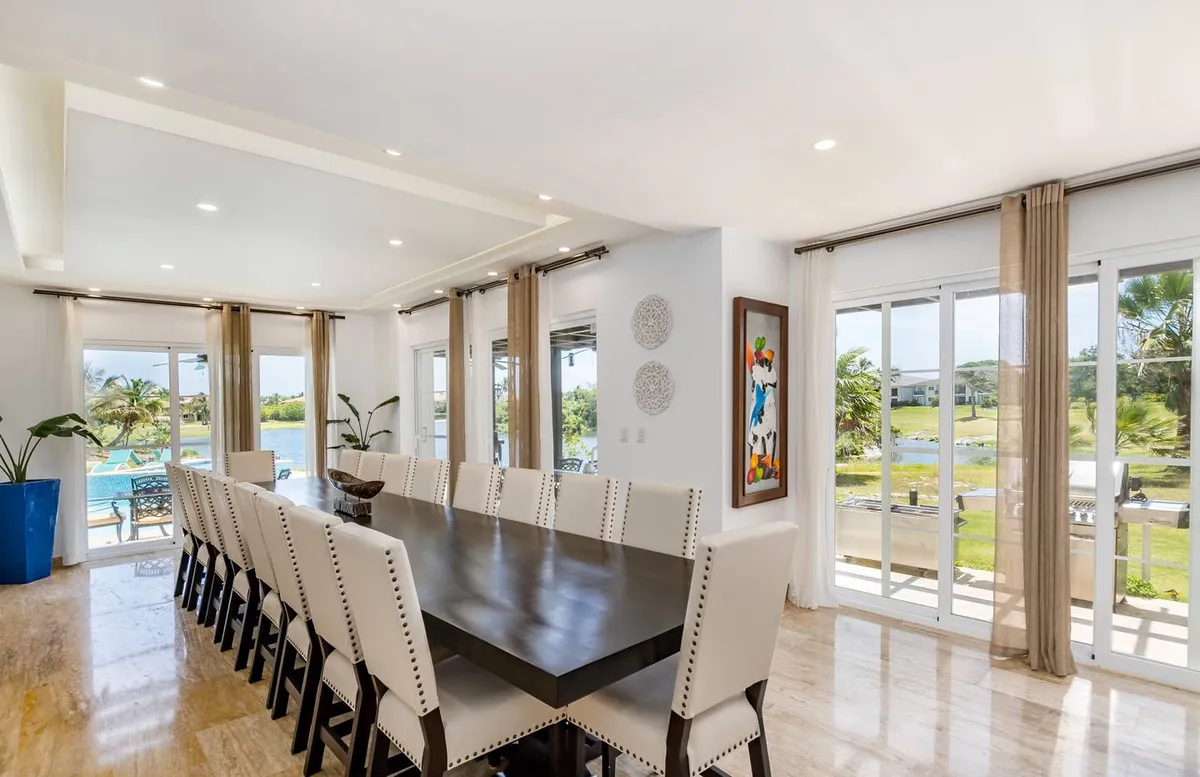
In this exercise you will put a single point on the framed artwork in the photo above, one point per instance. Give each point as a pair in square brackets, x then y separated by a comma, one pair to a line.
[760, 367]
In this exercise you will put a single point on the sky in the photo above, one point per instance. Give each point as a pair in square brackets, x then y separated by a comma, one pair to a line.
[277, 374]
[915, 330]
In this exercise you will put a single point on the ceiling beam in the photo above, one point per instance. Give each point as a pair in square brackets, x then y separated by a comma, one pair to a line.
[130, 111]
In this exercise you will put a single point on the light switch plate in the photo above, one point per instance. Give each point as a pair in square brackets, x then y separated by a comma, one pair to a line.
[641, 434]
[624, 434]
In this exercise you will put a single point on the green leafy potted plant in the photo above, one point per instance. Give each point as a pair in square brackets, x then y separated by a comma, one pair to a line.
[359, 439]
[29, 508]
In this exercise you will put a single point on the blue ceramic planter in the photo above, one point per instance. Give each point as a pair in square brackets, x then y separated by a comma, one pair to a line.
[28, 513]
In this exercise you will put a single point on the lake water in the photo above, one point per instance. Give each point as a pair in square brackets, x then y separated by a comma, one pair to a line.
[963, 454]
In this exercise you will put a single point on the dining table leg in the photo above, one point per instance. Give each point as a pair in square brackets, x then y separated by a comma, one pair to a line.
[566, 751]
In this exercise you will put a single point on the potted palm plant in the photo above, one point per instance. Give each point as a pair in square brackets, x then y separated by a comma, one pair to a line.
[359, 439]
[29, 508]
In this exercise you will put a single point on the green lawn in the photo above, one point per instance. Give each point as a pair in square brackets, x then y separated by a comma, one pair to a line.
[863, 477]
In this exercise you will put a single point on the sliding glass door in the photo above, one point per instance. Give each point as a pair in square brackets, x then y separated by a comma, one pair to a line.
[432, 406]
[280, 379]
[916, 388]
[132, 401]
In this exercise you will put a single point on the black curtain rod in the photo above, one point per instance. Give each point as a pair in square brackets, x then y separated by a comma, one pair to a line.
[548, 267]
[1099, 183]
[170, 303]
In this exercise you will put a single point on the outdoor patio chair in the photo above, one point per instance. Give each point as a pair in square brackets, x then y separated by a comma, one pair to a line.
[150, 504]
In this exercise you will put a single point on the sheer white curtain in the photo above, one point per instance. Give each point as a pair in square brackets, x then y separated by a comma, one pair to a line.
[72, 498]
[479, 382]
[811, 399]
[543, 345]
[215, 347]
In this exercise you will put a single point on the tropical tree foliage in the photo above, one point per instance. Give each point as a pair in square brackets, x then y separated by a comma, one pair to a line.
[856, 402]
[982, 385]
[127, 403]
[1140, 427]
[1156, 322]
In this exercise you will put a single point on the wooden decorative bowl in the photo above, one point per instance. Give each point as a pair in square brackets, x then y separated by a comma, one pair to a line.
[353, 486]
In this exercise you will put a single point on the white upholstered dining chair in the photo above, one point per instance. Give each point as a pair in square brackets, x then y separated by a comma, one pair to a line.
[437, 716]
[198, 571]
[238, 575]
[348, 461]
[245, 497]
[662, 518]
[293, 617]
[587, 505]
[477, 487]
[344, 675]
[251, 466]
[217, 571]
[179, 500]
[397, 473]
[679, 716]
[370, 466]
[429, 480]
[527, 496]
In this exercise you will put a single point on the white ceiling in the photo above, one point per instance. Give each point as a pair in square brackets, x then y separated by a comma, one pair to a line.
[673, 114]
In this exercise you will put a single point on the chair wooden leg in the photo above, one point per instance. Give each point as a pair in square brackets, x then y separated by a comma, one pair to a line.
[608, 760]
[205, 611]
[308, 697]
[227, 627]
[277, 665]
[316, 746]
[182, 574]
[258, 661]
[227, 597]
[246, 642]
[365, 708]
[377, 759]
[193, 582]
[760, 764]
[285, 663]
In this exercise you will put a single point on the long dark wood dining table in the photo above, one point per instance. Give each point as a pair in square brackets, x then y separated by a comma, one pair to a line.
[557, 615]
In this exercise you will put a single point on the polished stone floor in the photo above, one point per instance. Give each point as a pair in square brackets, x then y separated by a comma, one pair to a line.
[102, 674]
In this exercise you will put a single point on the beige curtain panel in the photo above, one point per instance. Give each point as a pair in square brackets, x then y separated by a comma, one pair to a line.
[1032, 599]
[319, 339]
[456, 377]
[237, 378]
[524, 419]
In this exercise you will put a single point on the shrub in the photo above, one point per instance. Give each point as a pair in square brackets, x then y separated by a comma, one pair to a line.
[1140, 588]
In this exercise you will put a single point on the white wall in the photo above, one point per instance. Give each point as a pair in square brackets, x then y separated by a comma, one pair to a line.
[749, 268]
[682, 444]
[32, 359]
[136, 323]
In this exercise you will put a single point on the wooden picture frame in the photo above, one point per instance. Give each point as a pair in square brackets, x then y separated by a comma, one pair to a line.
[760, 370]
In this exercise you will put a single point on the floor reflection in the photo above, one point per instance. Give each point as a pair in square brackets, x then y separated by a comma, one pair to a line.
[101, 674]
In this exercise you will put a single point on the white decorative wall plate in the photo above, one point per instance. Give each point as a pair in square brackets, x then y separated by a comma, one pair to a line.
[651, 322]
[653, 388]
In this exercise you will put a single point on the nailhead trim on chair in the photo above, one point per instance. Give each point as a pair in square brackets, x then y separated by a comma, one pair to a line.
[287, 535]
[694, 623]
[693, 521]
[213, 512]
[727, 751]
[545, 496]
[337, 573]
[396, 741]
[236, 530]
[501, 743]
[412, 651]
[643, 761]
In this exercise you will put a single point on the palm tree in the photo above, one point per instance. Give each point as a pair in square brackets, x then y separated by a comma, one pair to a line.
[1139, 427]
[93, 379]
[128, 403]
[978, 382]
[198, 407]
[1156, 322]
[856, 401]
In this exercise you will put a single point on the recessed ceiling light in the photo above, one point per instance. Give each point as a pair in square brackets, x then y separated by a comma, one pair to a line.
[395, 242]
[299, 307]
[563, 249]
[167, 266]
[395, 304]
[316, 285]
[492, 273]
[824, 145]
[438, 291]
[207, 207]
[93, 290]
[206, 299]
[393, 152]
[545, 197]
[153, 83]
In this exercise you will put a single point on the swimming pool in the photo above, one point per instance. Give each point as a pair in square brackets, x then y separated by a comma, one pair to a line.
[102, 488]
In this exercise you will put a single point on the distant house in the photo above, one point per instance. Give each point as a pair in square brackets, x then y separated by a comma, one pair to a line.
[918, 390]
